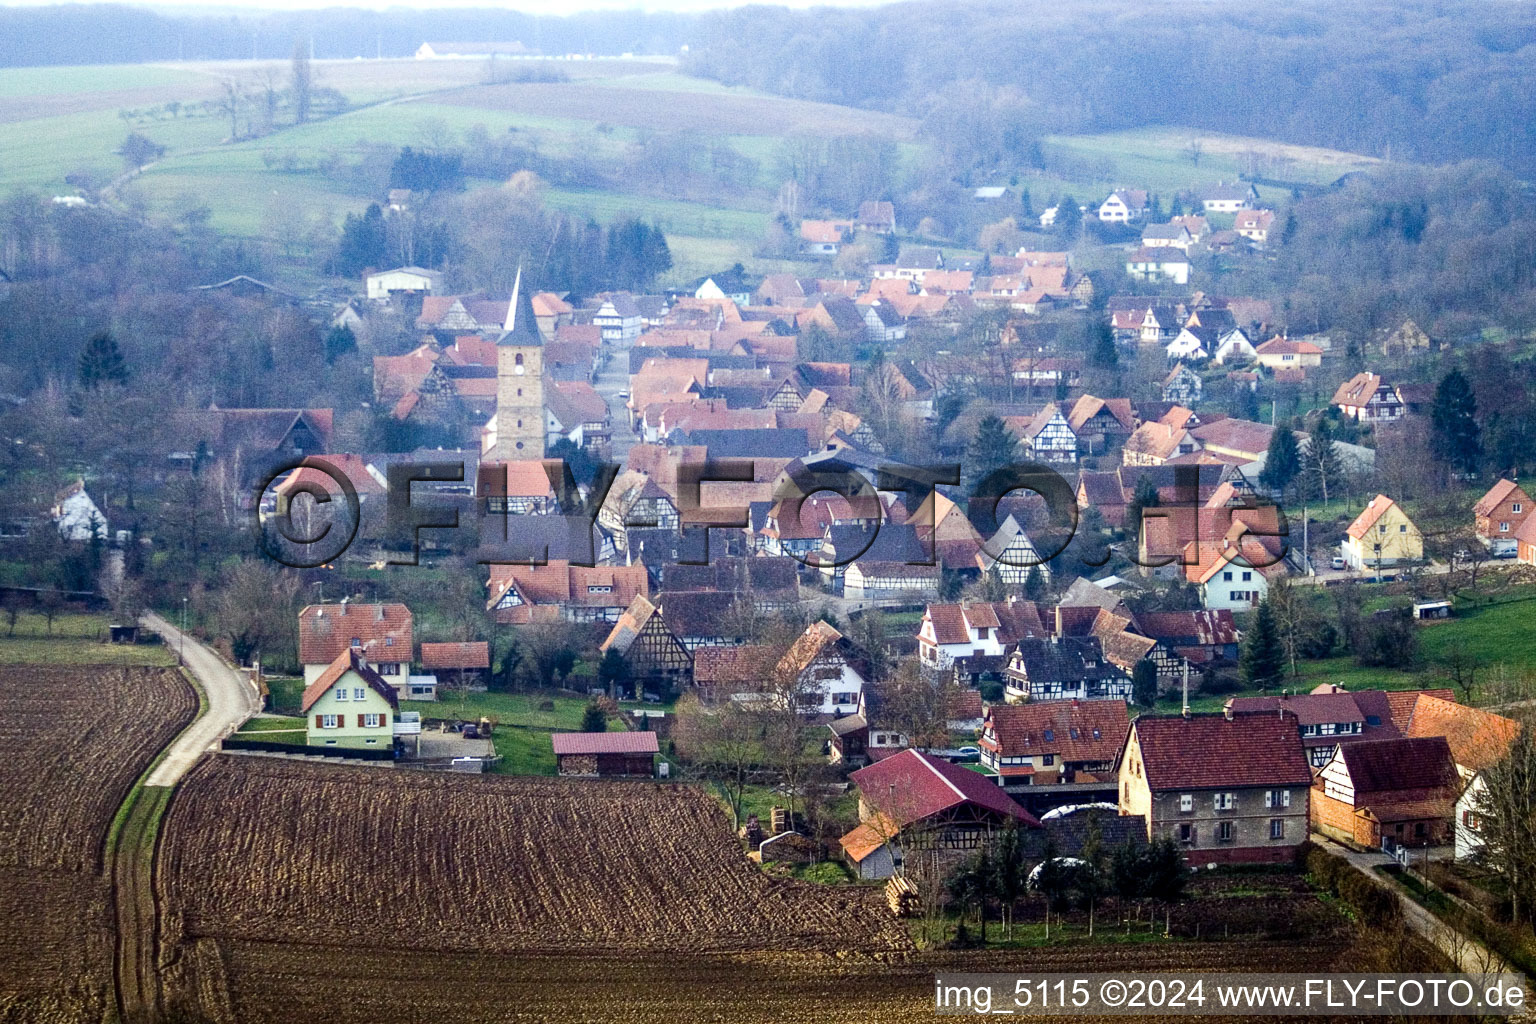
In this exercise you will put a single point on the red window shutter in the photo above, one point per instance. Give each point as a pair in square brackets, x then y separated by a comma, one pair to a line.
[319, 720]
[360, 720]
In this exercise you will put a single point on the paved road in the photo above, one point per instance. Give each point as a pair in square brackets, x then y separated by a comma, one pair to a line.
[231, 700]
[611, 379]
[1467, 953]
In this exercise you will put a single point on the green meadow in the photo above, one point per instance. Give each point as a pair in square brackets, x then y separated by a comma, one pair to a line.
[59, 121]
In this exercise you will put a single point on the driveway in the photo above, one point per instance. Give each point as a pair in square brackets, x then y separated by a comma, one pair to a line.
[1465, 952]
[231, 700]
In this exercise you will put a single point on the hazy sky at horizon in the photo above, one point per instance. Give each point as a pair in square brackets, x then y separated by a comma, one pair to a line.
[557, 8]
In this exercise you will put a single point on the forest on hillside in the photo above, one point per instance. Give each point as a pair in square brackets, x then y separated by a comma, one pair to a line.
[1413, 80]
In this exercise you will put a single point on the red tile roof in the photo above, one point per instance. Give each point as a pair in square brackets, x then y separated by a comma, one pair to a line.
[382, 630]
[1477, 738]
[642, 742]
[1213, 752]
[348, 660]
[1495, 497]
[1088, 730]
[1377, 508]
[912, 786]
[472, 654]
[1382, 766]
[1401, 704]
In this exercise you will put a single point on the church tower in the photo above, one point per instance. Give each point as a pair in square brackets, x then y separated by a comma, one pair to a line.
[519, 382]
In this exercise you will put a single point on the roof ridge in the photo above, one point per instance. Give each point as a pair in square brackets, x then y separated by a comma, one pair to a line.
[933, 767]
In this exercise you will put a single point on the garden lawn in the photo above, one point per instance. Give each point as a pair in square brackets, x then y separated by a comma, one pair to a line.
[522, 732]
[76, 639]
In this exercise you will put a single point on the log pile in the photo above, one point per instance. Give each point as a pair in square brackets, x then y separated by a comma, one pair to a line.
[902, 896]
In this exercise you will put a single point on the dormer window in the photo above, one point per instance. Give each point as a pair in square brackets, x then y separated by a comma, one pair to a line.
[357, 641]
[1050, 735]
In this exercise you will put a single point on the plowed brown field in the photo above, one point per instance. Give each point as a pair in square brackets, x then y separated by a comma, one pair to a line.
[73, 741]
[297, 892]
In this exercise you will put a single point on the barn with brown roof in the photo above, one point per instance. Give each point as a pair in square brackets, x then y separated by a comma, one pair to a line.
[1403, 790]
[606, 755]
[913, 801]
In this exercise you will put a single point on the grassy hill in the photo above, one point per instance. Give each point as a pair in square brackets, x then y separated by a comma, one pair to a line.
[598, 110]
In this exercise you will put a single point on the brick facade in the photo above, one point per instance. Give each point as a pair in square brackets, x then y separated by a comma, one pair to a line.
[1335, 818]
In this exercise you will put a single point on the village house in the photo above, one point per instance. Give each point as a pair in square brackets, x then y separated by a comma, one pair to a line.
[882, 323]
[1234, 346]
[1064, 741]
[720, 673]
[701, 619]
[605, 755]
[1228, 788]
[1049, 438]
[1161, 264]
[1123, 206]
[876, 216]
[1182, 386]
[619, 318]
[1063, 668]
[1101, 423]
[1478, 740]
[1011, 556]
[1498, 517]
[1280, 353]
[1254, 225]
[871, 580]
[1193, 639]
[1241, 441]
[952, 631]
[1170, 235]
[1525, 542]
[522, 593]
[1402, 789]
[1194, 344]
[913, 801]
[1367, 398]
[1330, 717]
[1228, 198]
[1154, 442]
[868, 735]
[388, 284]
[824, 670]
[381, 632]
[348, 704]
[1234, 574]
[824, 237]
[76, 516]
[1382, 536]
[650, 649]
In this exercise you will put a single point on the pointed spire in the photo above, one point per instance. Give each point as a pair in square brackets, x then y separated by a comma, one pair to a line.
[517, 286]
[522, 326]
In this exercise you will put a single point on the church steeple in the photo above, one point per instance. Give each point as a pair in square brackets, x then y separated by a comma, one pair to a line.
[521, 326]
[519, 381]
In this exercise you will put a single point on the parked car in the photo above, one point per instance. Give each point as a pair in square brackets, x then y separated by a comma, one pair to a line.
[1338, 562]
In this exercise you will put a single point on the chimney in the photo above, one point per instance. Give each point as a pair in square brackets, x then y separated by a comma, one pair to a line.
[1227, 712]
[1186, 690]
[1074, 702]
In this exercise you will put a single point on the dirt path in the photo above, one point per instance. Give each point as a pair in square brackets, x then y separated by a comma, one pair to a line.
[231, 700]
[133, 903]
